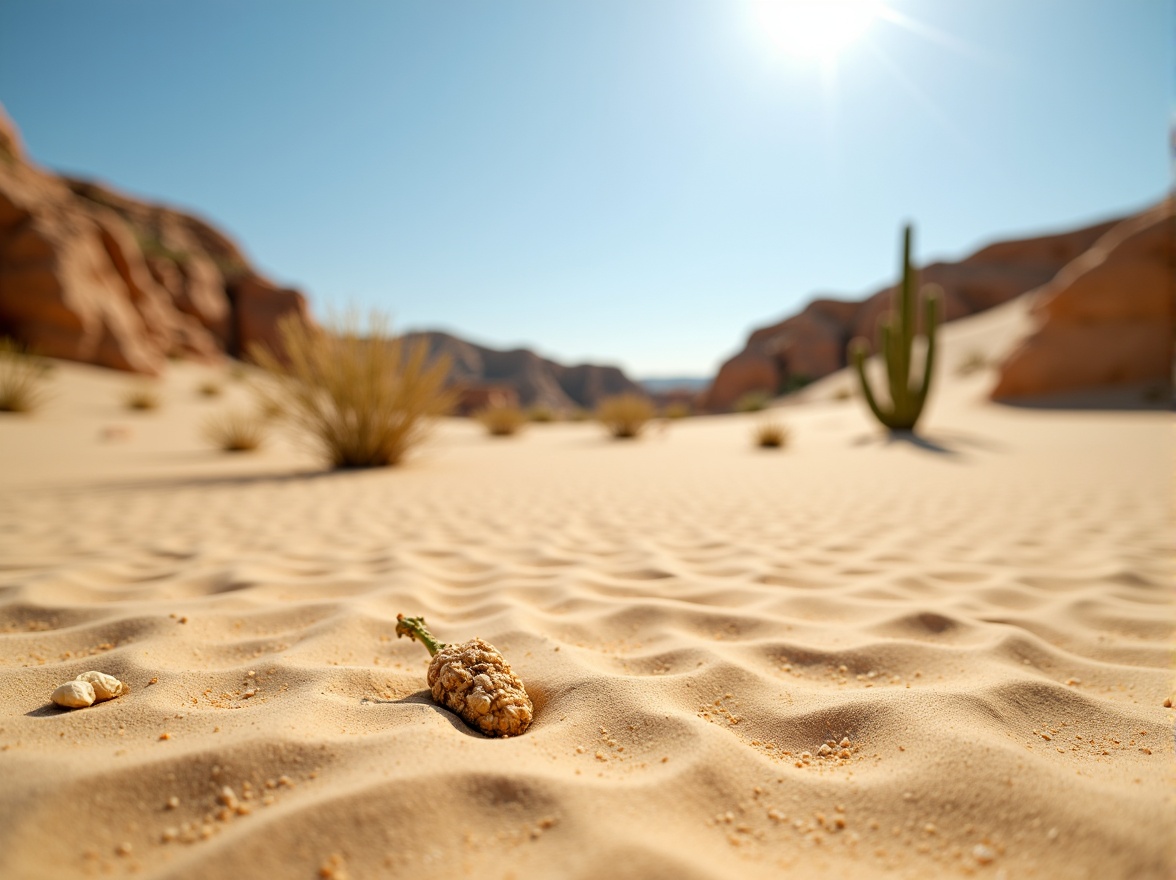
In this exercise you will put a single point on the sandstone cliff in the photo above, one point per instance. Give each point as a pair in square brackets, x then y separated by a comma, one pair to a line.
[1106, 319]
[536, 380]
[91, 275]
[812, 344]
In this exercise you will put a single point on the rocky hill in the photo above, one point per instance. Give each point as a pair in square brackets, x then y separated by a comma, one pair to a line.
[535, 380]
[89, 274]
[812, 344]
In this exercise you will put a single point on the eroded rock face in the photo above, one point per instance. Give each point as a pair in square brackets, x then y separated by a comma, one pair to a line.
[89, 274]
[1106, 319]
[535, 380]
[813, 343]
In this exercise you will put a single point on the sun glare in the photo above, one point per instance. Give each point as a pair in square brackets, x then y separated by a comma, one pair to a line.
[820, 29]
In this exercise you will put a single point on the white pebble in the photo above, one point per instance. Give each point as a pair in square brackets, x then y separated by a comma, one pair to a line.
[983, 854]
[74, 695]
[106, 687]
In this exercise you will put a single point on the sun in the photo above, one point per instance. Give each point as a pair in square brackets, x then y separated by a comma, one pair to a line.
[817, 29]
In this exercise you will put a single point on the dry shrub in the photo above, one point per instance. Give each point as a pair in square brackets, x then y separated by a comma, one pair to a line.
[973, 362]
[361, 400]
[541, 414]
[843, 394]
[752, 401]
[625, 415]
[236, 430]
[22, 378]
[502, 421]
[678, 411]
[209, 388]
[142, 397]
[770, 435]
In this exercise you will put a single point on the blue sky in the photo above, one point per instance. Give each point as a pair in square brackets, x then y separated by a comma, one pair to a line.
[636, 182]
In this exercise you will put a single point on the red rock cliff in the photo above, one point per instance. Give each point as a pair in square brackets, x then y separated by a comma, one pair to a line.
[91, 275]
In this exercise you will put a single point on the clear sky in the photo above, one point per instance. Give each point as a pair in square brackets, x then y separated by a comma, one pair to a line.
[636, 182]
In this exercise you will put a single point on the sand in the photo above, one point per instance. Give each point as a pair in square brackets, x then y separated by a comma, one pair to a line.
[853, 657]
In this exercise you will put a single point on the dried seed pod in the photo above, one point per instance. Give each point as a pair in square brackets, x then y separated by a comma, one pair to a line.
[474, 680]
[74, 695]
[106, 687]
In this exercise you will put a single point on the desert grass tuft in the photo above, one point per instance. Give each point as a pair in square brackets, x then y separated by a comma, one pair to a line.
[752, 401]
[502, 421]
[142, 397]
[625, 415]
[842, 394]
[363, 400]
[209, 388]
[541, 414]
[973, 362]
[678, 411]
[771, 435]
[236, 430]
[22, 378]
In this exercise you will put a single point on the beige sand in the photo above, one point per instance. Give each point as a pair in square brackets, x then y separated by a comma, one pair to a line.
[985, 623]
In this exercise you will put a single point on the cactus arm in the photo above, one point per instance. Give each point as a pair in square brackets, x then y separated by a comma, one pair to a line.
[414, 628]
[858, 351]
[931, 315]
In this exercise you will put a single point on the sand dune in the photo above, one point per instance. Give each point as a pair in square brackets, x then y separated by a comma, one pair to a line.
[978, 628]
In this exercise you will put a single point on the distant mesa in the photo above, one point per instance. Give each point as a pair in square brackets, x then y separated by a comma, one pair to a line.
[534, 381]
[1105, 313]
[89, 274]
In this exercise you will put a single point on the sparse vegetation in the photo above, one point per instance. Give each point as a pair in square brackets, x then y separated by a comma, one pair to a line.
[625, 415]
[236, 430]
[361, 400]
[770, 435]
[896, 336]
[752, 401]
[142, 397]
[22, 378]
[209, 388]
[238, 372]
[502, 421]
[678, 411]
[541, 414]
[843, 394]
[973, 362]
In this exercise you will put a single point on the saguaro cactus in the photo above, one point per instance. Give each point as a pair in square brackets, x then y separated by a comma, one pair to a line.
[896, 336]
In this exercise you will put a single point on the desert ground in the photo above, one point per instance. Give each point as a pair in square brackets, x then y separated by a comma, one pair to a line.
[856, 656]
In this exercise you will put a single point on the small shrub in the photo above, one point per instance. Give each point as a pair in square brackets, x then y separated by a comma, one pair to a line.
[21, 378]
[579, 415]
[209, 388]
[236, 430]
[142, 397]
[625, 415]
[361, 400]
[771, 435]
[973, 362]
[678, 411]
[752, 401]
[237, 372]
[541, 414]
[502, 421]
[843, 394]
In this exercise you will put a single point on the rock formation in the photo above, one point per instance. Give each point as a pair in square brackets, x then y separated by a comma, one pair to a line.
[536, 380]
[812, 344]
[91, 275]
[1106, 319]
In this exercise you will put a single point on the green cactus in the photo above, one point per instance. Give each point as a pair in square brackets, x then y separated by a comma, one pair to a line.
[896, 336]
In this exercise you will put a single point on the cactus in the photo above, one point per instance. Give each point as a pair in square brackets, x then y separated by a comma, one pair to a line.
[896, 335]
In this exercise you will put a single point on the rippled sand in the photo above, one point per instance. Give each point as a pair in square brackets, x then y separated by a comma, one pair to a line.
[981, 627]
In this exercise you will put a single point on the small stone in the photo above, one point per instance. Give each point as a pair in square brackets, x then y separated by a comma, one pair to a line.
[74, 695]
[173, 803]
[983, 854]
[106, 687]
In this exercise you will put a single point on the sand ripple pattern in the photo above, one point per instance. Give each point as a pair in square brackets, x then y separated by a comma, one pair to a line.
[856, 657]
